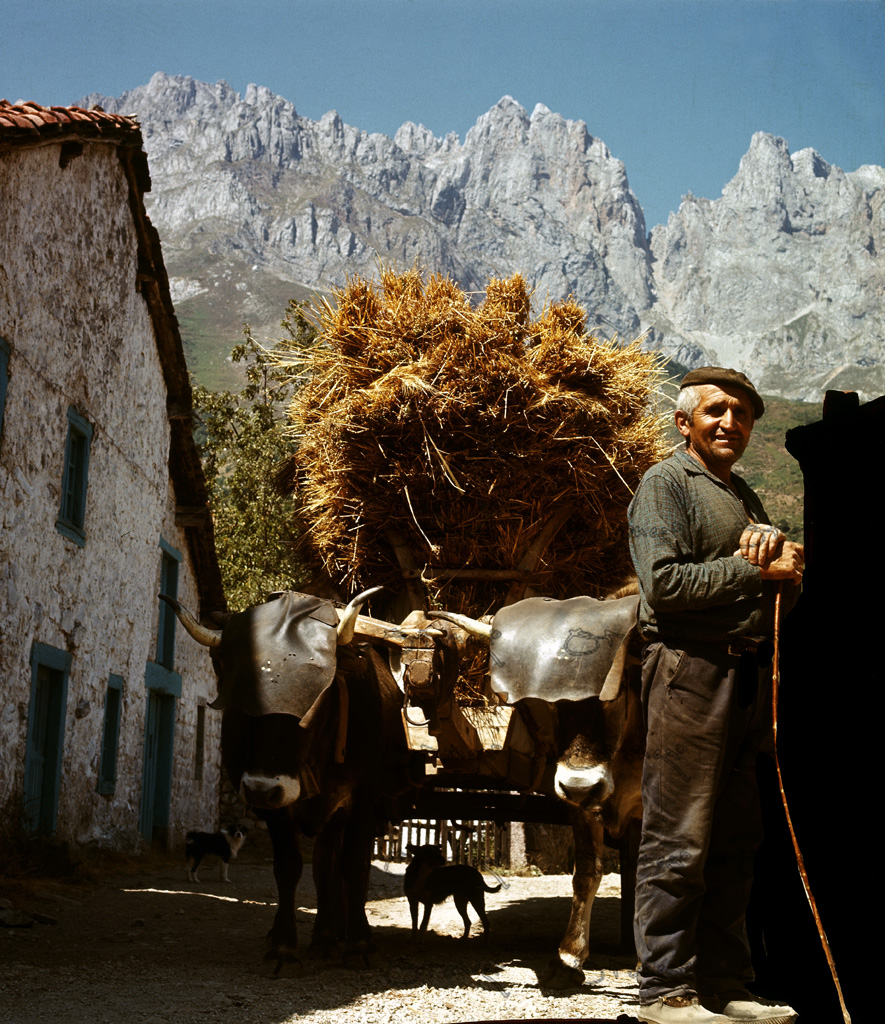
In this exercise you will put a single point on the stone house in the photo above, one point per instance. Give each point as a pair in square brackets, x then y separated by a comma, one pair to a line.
[104, 733]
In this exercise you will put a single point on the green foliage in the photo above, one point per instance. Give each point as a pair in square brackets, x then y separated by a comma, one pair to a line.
[242, 439]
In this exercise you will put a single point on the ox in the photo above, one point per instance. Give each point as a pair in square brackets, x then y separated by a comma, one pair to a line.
[572, 667]
[311, 738]
[290, 697]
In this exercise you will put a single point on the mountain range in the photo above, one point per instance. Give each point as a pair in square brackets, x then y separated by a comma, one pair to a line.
[779, 276]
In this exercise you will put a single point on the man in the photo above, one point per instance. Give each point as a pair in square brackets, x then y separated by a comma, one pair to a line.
[709, 567]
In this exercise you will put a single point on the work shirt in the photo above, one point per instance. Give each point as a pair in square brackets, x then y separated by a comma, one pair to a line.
[685, 525]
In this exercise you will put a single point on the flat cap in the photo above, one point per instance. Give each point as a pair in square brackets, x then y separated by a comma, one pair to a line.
[721, 375]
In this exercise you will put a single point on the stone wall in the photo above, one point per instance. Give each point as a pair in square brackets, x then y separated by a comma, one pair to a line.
[81, 336]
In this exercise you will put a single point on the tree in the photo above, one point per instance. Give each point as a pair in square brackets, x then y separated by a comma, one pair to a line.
[242, 439]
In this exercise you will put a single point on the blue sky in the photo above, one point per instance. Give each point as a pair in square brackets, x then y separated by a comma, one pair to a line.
[675, 88]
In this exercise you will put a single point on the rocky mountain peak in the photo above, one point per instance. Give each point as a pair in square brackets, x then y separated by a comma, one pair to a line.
[770, 178]
[779, 276]
[260, 95]
[808, 164]
[869, 177]
[416, 140]
[504, 126]
[767, 158]
[182, 96]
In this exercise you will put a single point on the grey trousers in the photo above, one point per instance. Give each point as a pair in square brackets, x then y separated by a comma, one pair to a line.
[708, 715]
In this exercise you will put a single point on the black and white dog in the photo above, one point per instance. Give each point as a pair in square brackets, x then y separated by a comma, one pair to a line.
[430, 880]
[224, 845]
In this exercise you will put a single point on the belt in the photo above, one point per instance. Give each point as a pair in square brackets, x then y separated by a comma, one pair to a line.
[735, 646]
[743, 645]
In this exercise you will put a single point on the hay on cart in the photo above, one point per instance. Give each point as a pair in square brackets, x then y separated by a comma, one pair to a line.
[454, 437]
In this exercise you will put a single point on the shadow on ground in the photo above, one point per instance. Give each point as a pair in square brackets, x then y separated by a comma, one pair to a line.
[154, 947]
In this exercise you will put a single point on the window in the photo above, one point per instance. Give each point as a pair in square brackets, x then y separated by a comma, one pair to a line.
[4, 378]
[72, 514]
[160, 674]
[113, 703]
[164, 687]
[46, 730]
[168, 585]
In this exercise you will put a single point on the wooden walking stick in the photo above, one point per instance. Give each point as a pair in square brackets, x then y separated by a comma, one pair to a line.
[775, 682]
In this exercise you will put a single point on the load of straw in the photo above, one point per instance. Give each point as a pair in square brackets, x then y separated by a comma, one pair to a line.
[457, 434]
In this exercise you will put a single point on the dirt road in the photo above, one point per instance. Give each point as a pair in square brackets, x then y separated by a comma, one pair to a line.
[154, 948]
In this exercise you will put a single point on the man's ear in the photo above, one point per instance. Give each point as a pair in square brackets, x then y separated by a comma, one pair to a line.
[683, 422]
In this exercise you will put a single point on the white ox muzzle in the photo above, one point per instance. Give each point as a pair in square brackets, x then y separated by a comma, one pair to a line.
[585, 786]
[269, 793]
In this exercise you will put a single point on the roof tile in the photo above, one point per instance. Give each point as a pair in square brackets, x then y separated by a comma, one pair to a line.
[32, 117]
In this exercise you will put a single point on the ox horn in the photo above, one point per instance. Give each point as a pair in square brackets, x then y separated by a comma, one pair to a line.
[472, 626]
[203, 635]
[347, 616]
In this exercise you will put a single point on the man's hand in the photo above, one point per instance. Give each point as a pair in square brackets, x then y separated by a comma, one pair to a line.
[777, 558]
[760, 544]
[789, 564]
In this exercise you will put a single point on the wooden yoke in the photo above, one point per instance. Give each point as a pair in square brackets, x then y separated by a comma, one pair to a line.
[450, 729]
[430, 674]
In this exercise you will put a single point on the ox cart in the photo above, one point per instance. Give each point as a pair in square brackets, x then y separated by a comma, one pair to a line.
[557, 737]
[465, 471]
[320, 737]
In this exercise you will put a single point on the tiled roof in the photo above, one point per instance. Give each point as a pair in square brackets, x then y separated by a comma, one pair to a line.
[29, 121]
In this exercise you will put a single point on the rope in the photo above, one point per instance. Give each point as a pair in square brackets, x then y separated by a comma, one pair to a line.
[800, 861]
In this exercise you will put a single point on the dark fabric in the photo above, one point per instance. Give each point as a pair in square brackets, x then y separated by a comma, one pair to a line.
[685, 525]
[278, 657]
[721, 375]
[708, 717]
[558, 650]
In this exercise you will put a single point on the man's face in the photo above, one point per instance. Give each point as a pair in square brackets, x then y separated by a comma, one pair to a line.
[719, 429]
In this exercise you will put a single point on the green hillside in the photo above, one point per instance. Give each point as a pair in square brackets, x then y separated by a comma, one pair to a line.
[225, 292]
[770, 469]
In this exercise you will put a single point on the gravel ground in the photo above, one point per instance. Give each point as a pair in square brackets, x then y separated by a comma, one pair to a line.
[154, 947]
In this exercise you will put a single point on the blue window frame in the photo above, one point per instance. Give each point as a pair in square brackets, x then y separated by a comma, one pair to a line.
[160, 675]
[4, 378]
[72, 515]
[163, 685]
[50, 669]
[170, 562]
[113, 705]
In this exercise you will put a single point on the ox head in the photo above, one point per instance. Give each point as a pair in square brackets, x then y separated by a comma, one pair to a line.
[570, 663]
[276, 663]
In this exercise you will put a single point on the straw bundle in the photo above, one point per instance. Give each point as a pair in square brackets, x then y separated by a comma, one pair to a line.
[461, 431]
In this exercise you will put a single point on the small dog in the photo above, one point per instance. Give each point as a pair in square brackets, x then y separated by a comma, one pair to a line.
[429, 880]
[224, 845]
